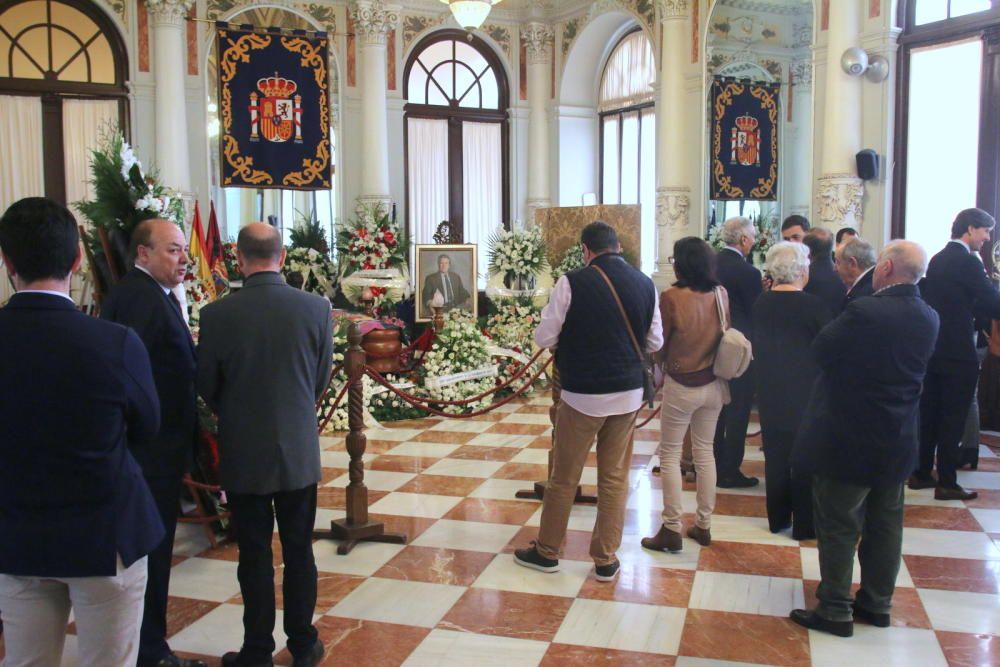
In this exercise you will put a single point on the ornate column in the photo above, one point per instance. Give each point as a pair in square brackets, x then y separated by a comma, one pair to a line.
[373, 20]
[538, 40]
[839, 190]
[169, 51]
[673, 194]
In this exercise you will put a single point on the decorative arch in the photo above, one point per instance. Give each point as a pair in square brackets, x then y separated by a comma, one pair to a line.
[589, 51]
[502, 58]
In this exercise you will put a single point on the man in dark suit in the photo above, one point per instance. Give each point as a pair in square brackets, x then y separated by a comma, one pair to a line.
[448, 283]
[854, 261]
[143, 300]
[859, 438]
[823, 279]
[265, 395]
[794, 228]
[742, 281]
[76, 518]
[958, 289]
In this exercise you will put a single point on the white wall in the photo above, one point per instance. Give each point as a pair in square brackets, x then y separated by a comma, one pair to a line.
[578, 147]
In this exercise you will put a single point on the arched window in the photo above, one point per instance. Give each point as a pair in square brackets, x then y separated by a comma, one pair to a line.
[628, 130]
[456, 139]
[63, 68]
[947, 129]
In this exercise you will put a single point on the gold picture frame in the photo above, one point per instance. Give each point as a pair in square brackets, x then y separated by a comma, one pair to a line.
[461, 284]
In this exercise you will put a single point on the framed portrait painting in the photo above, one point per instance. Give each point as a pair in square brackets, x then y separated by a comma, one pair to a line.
[445, 274]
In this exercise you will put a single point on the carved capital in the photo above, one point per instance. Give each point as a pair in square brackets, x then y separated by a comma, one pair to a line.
[671, 10]
[672, 206]
[365, 203]
[839, 200]
[802, 71]
[168, 12]
[373, 20]
[537, 39]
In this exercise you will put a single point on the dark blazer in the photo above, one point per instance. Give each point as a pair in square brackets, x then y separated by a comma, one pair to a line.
[956, 287]
[140, 303]
[264, 359]
[861, 424]
[826, 284]
[434, 282]
[78, 392]
[742, 281]
[861, 288]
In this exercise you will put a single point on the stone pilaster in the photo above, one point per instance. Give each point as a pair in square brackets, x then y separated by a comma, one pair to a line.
[538, 40]
[169, 52]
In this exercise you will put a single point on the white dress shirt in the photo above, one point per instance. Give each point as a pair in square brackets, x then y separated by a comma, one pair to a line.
[50, 292]
[547, 335]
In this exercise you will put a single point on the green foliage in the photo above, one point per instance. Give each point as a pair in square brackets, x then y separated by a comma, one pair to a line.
[309, 233]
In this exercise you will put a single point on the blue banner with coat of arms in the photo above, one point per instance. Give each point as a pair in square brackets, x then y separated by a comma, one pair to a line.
[744, 160]
[274, 109]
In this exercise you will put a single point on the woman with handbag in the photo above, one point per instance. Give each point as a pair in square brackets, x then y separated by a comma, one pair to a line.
[692, 394]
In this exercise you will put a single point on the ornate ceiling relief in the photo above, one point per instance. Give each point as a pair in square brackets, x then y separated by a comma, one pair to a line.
[672, 206]
[801, 71]
[672, 9]
[416, 24]
[499, 34]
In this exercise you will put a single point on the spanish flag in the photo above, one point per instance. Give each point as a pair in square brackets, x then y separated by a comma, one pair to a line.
[214, 251]
[196, 250]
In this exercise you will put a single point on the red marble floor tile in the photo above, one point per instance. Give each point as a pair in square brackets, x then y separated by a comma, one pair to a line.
[753, 468]
[330, 474]
[567, 655]
[444, 437]
[518, 429]
[394, 463]
[331, 588]
[954, 574]
[576, 547]
[989, 465]
[532, 472]
[182, 612]
[335, 497]
[942, 518]
[350, 641]
[990, 440]
[760, 559]
[643, 584]
[747, 637]
[487, 510]
[489, 417]
[476, 453]
[533, 410]
[907, 609]
[340, 446]
[732, 504]
[541, 442]
[228, 550]
[965, 650]
[436, 566]
[375, 446]
[411, 526]
[641, 461]
[988, 499]
[442, 485]
[507, 614]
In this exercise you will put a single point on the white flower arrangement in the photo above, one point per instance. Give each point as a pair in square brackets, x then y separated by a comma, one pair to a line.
[310, 270]
[460, 346]
[517, 254]
[573, 259]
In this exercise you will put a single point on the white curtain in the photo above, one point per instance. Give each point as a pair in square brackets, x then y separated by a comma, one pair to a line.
[21, 157]
[629, 74]
[84, 122]
[427, 170]
[482, 180]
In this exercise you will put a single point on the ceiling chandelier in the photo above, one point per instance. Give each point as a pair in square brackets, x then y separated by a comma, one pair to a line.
[470, 14]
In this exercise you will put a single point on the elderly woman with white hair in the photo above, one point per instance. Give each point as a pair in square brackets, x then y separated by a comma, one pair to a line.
[785, 321]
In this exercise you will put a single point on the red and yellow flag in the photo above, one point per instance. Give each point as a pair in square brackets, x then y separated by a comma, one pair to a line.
[215, 253]
[196, 251]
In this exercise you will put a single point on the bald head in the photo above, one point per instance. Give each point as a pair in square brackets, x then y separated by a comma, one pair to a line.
[820, 243]
[899, 262]
[259, 248]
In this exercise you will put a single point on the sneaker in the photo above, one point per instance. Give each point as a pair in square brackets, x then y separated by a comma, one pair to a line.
[536, 561]
[739, 481]
[607, 572]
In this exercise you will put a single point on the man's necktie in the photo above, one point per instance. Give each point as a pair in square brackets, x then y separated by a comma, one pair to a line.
[448, 296]
[177, 304]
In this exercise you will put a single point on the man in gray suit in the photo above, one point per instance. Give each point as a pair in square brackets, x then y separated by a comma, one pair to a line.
[264, 359]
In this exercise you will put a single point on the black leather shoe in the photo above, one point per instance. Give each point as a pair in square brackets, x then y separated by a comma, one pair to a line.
[177, 661]
[808, 618]
[918, 481]
[740, 481]
[870, 617]
[313, 658]
[237, 659]
[954, 493]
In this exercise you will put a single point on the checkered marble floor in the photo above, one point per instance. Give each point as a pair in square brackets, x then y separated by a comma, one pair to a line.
[454, 596]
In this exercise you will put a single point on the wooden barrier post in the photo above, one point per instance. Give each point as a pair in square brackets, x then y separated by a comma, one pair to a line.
[356, 526]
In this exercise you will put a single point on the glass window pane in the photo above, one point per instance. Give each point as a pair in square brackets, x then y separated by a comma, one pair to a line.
[435, 96]
[629, 74]
[472, 99]
[943, 130]
[435, 53]
[464, 79]
[647, 188]
[102, 62]
[928, 11]
[415, 86]
[468, 55]
[490, 90]
[630, 158]
[963, 7]
[444, 75]
[610, 193]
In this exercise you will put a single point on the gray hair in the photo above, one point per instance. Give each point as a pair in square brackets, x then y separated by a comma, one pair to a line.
[862, 252]
[787, 262]
[735, 228]
[908, 259]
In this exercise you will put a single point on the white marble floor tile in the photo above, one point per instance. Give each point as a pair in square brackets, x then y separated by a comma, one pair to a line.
[753, 454]
[581, 517]
[746, 593]
[540, 400]
[219, 631]
[447, 647]
[501, 440]
[204, 579]
[330, 459]
[519, 418]
[540, 456]
[810, 569]
[424, 449]
[949, 544]
[979, 480]
[645, 447]
[190, 540]
[394, 601]
[377, 480]
[394, 434]
[645, 498]
[327, 441]
[926, 497]
[882, 647]
[623, 626]
[323, 518]
[467, 535]
[752, 530]
[514, 407]
[415, 504]
[464, 468]
[986, 453]
[687, 661]
[977, 613]
[462, 426]
[501, 489]
[364, 560]
[631, 552]
[505, 575]
[589, 476]
[988, 519]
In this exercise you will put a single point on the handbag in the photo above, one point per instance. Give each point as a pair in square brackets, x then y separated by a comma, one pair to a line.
[734, 354]
[648, 383]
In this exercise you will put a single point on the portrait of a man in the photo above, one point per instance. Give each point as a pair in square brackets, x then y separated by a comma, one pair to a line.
[446, 275]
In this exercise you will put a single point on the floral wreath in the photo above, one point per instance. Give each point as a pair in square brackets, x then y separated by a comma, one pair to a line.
[310, 270]
[372, 242]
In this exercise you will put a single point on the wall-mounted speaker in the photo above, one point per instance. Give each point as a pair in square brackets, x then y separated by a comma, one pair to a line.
[867, 161]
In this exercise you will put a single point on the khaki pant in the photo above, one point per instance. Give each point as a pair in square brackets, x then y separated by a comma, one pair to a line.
[574, 434]
[107, 612]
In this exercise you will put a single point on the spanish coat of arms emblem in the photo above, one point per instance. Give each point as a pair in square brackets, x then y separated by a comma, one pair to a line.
[276, 114]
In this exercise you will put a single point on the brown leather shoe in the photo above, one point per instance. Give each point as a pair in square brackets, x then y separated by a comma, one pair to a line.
[702, 536]
[917, 482]
[953, 493]
[665, 540]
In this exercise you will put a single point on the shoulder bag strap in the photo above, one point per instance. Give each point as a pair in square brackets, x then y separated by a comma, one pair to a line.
[722, 311]
[621, 309]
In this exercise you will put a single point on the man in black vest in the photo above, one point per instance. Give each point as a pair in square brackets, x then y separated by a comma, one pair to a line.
[602, 385]
[958, 289]
[823, 279]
